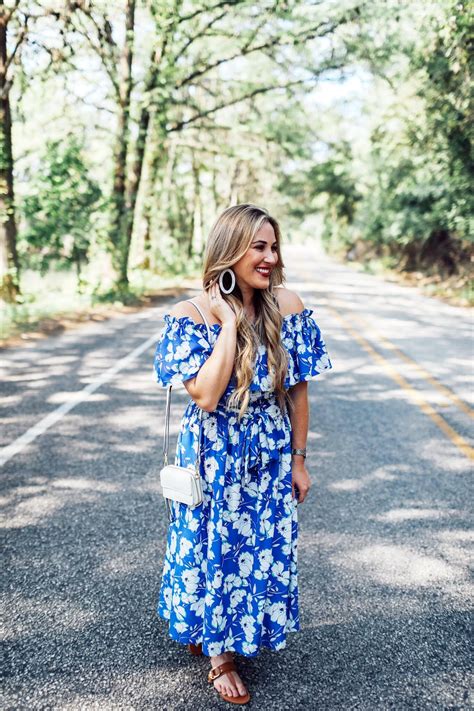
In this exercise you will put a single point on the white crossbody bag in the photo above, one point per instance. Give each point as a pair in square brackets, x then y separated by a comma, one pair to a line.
[183, 484]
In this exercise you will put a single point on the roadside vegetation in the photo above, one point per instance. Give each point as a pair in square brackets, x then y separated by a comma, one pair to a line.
[125, 129]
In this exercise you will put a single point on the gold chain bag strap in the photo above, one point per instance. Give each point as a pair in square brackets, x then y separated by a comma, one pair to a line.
[183, 484]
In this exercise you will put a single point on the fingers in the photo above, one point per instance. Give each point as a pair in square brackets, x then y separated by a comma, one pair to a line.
[299, 492]
[303, 493]
[216, 291]
[215, 300]
[211, 295]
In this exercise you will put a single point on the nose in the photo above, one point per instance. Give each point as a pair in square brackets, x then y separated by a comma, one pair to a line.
[271, 261]
[271, 258]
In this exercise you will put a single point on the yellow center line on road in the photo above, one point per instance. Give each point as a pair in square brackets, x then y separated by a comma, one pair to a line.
[424, 406]
[426, 375]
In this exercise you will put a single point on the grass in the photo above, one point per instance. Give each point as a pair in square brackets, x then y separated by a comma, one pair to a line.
[51, 302]
[456, 290]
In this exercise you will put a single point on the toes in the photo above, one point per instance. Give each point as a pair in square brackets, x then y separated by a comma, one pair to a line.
[221, 687]
[231, 687]
[231, 691]
[241, 689]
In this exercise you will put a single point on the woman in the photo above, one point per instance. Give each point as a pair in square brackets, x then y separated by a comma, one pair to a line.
[230, 571]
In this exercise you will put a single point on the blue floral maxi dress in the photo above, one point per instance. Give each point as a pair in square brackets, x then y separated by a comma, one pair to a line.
[230, 569]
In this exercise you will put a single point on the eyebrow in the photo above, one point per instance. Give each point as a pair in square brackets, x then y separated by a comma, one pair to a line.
[264, 242]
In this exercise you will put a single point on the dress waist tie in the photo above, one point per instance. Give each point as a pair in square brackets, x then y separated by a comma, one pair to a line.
[258, 434]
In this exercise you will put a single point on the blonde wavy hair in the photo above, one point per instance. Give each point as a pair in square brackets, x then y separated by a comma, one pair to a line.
[229, 240]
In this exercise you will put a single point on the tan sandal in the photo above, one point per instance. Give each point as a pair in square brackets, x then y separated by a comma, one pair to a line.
[216, 672]
[195, 649]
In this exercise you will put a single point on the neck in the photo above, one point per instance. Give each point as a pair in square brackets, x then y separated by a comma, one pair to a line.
[247, 296]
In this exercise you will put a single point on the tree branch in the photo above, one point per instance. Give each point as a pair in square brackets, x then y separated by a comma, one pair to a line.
[21, 37]
[224, 3]
[6, 15]
[261, 90]
[330, 64]
[297, 39]
[201, 33]
[108, 59]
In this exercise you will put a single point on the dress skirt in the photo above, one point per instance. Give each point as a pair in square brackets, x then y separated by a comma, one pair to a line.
[230, 570]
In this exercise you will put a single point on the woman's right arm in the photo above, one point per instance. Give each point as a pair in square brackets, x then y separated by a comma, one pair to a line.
[210, 383]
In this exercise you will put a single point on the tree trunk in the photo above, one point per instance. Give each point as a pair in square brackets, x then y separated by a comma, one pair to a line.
[119, 206]
[156, 165]
[197, 236]
[132, 191]
[9, 264]
[136, 173]
[234, 185]
[216, 196]
[169, 191]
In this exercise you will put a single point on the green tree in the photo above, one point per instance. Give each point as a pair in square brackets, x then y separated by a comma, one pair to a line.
[194, 67]
[59, 209]
[413, 166]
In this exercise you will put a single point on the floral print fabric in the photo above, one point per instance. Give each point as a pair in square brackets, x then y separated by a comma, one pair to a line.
[230, 570]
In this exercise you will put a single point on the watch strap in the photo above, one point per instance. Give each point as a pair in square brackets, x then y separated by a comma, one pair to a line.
[299, 451]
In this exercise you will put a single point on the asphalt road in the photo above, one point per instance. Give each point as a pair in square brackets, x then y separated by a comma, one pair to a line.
[384, 547]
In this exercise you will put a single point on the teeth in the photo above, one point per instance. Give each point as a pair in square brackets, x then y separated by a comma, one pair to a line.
[263, 271]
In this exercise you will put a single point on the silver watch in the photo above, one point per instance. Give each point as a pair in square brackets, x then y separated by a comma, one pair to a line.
[299, 451]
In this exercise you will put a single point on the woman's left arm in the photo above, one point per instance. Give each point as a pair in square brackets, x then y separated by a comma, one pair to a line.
[299, 418]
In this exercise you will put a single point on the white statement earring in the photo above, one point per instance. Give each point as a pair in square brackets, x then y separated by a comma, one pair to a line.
[223, 276]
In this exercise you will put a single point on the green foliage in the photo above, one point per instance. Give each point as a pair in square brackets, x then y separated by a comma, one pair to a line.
[329, 186]
[214, 117]
[59, 208]
[409, 193]
[447, 64]
[124, 296]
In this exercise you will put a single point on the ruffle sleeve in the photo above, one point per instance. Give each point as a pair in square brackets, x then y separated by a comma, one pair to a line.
[182, 349]
[308, 356]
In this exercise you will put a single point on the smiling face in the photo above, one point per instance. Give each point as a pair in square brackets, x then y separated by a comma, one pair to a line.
[254, 268]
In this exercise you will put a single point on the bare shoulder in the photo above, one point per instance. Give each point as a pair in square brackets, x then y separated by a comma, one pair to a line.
[185, 308]
[288, 301]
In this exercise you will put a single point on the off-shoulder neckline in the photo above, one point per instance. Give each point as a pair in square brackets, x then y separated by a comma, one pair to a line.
[305, 312]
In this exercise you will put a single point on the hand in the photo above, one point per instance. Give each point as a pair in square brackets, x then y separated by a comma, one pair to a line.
[300, 479]
[218, 306]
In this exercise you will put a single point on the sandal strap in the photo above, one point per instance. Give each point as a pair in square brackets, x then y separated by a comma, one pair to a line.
[223, 668]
